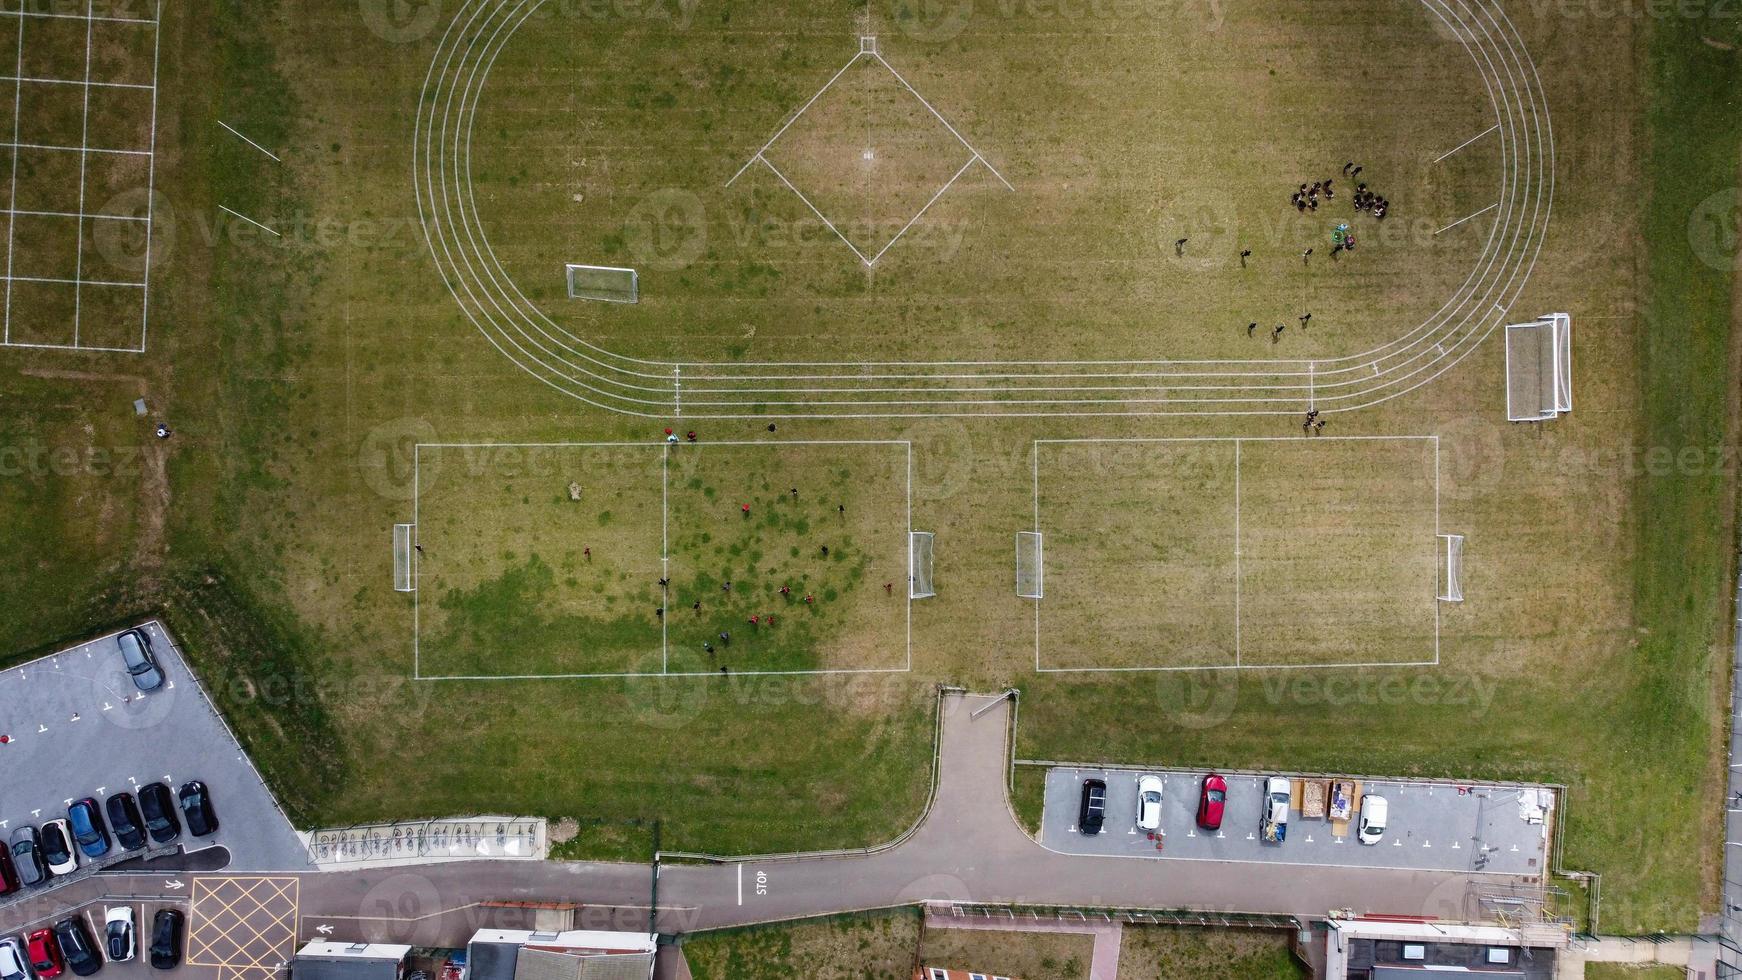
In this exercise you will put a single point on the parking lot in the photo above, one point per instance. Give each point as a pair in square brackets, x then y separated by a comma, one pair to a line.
[1432, 826]
[74, 725]
[143, 912]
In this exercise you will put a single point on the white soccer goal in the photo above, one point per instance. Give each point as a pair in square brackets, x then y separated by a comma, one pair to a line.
[919, 583]
[1452, 568]
[1030, 565]
[604, 283]
[402, 558]
[1539, 368]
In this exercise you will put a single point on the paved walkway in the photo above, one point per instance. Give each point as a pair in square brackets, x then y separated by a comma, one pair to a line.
[969, 849]
[1698, 954]
[1731, 922]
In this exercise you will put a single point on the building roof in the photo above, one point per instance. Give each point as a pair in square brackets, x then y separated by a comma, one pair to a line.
[348, 961]
[579, 954]
[543, 964]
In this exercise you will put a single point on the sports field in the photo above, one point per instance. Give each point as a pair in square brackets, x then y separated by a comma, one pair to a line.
[646, 558]
[1183, 554]
[948, 293]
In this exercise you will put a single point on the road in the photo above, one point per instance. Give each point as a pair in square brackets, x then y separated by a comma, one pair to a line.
[968, 849]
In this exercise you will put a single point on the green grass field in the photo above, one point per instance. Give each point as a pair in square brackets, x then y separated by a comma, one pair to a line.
[518, 578]
[300, 371]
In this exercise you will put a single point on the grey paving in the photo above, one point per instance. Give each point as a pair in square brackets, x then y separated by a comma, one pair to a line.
[1730, 924]
[75, 726]
[968, 850]
[1432, 826]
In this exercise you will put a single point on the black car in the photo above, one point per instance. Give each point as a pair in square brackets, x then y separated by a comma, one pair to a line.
[1094, 809]
[27, 857]
[137, 657]
[125, 821]
[82, 955]
[166, 939]
[56, 849]
[8, 875]
[196, 806]
[158, 805]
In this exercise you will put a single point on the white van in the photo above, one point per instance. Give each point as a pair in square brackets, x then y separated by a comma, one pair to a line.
[1374, 810]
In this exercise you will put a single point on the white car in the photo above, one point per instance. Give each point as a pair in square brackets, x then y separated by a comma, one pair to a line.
[1273, 821]
[118, 942]
[57, 847]
[1373, 813]
[1149, 803]
[12, 960]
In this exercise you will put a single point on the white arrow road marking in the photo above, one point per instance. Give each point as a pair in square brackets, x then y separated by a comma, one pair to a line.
[324, 930]
[174, 885]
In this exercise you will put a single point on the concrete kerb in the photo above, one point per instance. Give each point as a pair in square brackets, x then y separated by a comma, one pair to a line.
[662, 856]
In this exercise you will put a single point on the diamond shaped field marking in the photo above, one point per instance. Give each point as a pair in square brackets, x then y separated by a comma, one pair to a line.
[868, 155]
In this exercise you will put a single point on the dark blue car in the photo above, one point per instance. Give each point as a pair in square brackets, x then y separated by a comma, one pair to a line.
[86, 820]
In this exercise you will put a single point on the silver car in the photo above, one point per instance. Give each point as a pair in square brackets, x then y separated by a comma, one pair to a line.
[141, 665]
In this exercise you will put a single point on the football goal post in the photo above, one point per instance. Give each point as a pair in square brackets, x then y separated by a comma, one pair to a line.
[919, 583]
[1451, 568]
[402, 558]
[1030, 570]
[607, 284]
[1539, 368]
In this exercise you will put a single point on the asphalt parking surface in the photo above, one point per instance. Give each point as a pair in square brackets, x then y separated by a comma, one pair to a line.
[139, 966]
[1432, 826]
[75, 726]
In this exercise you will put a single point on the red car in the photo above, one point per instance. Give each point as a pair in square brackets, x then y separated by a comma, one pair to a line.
[45, 959]
[1210, 801]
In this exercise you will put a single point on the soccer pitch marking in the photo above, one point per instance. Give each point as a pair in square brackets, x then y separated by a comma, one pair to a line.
[486, 293]
[78, 280]
[665, 449]
[1237, 442]
[868, 49]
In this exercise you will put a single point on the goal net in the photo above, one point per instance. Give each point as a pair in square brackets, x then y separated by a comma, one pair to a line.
[402, 558]
[1029, 565]
[919, 584]
[604, 283]
[1452, 548]
[1539, 368]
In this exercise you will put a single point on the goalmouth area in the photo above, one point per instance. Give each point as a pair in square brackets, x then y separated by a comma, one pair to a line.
[652, 559]
[1192, 553]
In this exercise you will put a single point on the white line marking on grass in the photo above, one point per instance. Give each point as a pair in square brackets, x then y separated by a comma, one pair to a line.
[664, 555]
[416, 553]
[807, 203]
[17, 100]
[1467, 142]
[250, 221]
[921, 212]
[940, 118]
[1467, 217]
[250, 142]
[794, 118]
[1236, 552]
[151, 176]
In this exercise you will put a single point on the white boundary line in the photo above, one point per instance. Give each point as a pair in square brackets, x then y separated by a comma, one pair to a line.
[250, 221]
[250, 142]
[84, 160]
[665, 447]
[1239, 664]
[11, 219]
[1467, 217]
[1467, 142]
[151, 175]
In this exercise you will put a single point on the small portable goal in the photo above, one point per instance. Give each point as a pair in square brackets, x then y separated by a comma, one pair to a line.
[1539, 368]
[1451, 568]
[603, 283]
[402, 545]
[1030, 565]
[919, 580]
